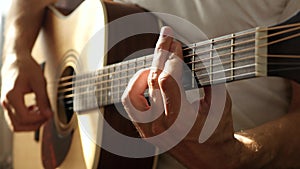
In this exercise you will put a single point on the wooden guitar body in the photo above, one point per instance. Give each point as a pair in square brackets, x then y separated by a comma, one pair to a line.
[62, 142]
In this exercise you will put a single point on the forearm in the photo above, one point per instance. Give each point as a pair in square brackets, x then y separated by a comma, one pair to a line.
[276, 144]
[272, 145]
[22, 25]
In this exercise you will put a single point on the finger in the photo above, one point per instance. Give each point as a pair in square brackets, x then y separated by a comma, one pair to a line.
[42, 99]
[135, 103]
[160, 56]
[170, 80]
[15, 103]
[136, 89]
[15, 124]
[134, 100]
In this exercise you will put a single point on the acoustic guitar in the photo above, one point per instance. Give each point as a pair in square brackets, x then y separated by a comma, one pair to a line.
[63, 143]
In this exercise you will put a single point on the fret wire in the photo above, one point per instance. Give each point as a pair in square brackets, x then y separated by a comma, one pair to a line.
[223, 47]
[236, 60]
[203, 83]
[211, 60]
[246, 34]
[119, 78]
[86, 74]
[65, 78]
[226, 70]
[244, 42]
[101, 82]
[193, 68]
[103, 89]
[219, 40]
[228, 62]
[253, 48]
[99, 76]
[225, 78]
[232, 55]
[219, 79]
[223, 55]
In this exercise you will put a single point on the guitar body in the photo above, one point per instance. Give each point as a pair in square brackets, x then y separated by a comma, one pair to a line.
[62, 142]
[63, 45]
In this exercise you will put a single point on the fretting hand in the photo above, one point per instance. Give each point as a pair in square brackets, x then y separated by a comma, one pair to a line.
[166, 92]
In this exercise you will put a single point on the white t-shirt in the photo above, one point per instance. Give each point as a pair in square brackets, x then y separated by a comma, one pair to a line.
[255, 101]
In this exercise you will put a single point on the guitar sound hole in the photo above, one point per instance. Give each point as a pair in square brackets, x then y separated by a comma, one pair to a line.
[65, 96]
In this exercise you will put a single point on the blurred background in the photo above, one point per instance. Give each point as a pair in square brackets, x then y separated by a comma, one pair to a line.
[5, 134]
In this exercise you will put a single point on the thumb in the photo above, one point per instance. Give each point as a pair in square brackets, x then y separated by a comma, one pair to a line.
[42, 98]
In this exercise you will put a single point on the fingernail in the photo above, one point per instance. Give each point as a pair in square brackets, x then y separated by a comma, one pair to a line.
[166, 31]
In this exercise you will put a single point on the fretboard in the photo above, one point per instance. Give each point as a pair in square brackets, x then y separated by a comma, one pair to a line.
[220, 60]
[225, 59]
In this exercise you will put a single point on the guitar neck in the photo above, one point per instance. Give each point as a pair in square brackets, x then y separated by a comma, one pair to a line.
[243, 55]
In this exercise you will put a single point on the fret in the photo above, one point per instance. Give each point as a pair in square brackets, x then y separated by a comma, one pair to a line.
[245, 57]
[104, 86]
[222, 56]
[99, 86]
[202, 61]
[131, 68]
[232, 56]
[140, 63]
[260, 60]
[111, 85]
[148, 61]
[117, 81]
[89, 91]
[145, 61]
[193, 67]
[211, 55]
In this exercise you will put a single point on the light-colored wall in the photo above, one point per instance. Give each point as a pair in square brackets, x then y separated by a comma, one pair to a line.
[5, 134]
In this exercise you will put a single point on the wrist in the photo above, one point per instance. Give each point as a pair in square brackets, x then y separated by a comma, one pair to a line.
[251, 153]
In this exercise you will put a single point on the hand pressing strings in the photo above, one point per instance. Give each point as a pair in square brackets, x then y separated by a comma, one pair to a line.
[171, 118]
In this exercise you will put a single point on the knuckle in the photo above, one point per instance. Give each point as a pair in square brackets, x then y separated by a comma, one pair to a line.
[164, 80]
[153, 78]
[10, 95]
[163, 45]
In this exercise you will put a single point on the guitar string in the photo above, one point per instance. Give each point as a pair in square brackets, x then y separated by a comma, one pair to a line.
[103, 99]
[207, 42]
[281, 40]
[247, 33]
[196, 70]
[222, 55]
[104, 82]
[241, 43]
[199, 77]
[210, 66]
[124, 85]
